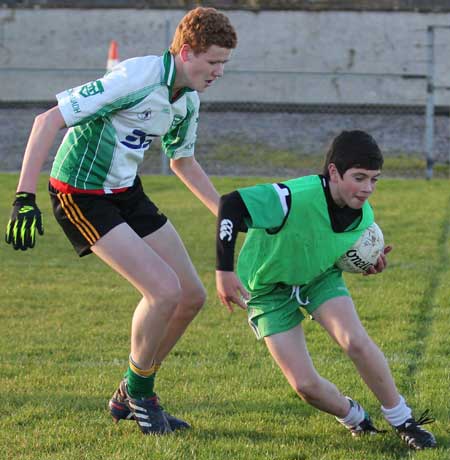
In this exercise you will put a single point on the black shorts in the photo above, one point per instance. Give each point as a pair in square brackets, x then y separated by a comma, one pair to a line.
[85, 218]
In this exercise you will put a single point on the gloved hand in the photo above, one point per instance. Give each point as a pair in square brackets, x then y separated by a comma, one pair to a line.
[25, 220]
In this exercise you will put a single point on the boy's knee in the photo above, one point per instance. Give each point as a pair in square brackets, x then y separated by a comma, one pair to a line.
[192, 302]
[166, 298]
[357, 345]
[307, 389]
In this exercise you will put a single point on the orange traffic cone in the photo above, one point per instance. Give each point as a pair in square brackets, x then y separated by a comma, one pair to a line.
[113, 55]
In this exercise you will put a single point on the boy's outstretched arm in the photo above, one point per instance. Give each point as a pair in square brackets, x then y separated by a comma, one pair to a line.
[26, 218]
[196, 180]
[232, 213]
[45, 128]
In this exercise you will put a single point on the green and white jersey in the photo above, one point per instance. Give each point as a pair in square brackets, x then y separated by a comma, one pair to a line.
[114, 119]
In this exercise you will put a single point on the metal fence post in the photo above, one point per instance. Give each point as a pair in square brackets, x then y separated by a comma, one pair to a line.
[429, 113]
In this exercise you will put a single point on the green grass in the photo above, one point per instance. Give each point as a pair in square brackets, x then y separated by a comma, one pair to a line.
[260, 159]
[64, 338]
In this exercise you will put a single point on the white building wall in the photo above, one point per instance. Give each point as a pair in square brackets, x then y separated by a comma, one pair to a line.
[282, 57]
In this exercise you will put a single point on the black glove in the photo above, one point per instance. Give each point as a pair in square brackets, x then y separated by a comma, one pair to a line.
[25, 220]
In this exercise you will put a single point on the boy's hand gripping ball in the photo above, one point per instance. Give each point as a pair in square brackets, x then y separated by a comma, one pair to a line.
[364, 253]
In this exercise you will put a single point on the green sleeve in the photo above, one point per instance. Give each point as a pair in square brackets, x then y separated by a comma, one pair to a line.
[264, 206]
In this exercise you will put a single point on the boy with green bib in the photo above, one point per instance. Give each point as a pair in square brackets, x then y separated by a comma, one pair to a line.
[296, 231]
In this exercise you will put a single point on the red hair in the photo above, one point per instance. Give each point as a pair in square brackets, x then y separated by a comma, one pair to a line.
[201, 28]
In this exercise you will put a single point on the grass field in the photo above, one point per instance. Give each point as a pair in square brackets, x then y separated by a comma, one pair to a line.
[64, 335]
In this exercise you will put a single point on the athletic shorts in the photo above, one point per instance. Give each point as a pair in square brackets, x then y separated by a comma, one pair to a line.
[86, 218]
[281, 309]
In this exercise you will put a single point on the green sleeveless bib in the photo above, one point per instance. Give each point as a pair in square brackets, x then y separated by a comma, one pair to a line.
[304, 248]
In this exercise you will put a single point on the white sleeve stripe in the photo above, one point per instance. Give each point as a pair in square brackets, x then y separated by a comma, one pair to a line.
[283, 193]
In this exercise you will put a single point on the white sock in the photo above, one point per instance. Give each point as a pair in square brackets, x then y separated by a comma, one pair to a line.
[397, 415]
[355, 415]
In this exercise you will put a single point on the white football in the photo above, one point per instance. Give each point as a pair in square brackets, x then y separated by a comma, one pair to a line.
[364, 253]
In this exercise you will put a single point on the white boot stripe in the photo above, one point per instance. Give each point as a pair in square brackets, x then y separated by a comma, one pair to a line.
[145, 424]
[138, 408]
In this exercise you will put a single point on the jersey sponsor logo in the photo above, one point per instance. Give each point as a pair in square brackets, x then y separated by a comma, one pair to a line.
[73, 101]
[226, 229]
[92, 88]
[138, 140]
[144, 115]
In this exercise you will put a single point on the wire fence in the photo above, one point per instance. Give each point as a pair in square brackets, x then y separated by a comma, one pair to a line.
[289, 129]
[288, 113]
[247, 139]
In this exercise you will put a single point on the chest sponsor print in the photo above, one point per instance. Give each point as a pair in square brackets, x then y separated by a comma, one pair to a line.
[138, 140]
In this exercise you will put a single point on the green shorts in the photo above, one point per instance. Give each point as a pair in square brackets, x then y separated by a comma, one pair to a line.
[280, 309]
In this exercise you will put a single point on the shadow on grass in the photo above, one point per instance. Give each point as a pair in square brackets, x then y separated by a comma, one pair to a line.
[389, 446]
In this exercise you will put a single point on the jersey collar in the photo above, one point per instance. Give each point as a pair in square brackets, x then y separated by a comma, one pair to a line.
[170, 74]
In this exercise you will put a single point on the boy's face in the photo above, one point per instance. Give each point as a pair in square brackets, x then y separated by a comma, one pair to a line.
[354, 187]
[201, 70]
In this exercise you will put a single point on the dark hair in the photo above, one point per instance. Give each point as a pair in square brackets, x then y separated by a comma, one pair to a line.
[353, 149]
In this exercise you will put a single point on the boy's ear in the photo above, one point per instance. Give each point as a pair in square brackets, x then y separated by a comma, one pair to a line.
[186, 52]
[333, 172]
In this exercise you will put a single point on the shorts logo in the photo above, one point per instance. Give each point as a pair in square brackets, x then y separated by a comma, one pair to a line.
[138, 140]
[92, 88]
[144, 115]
